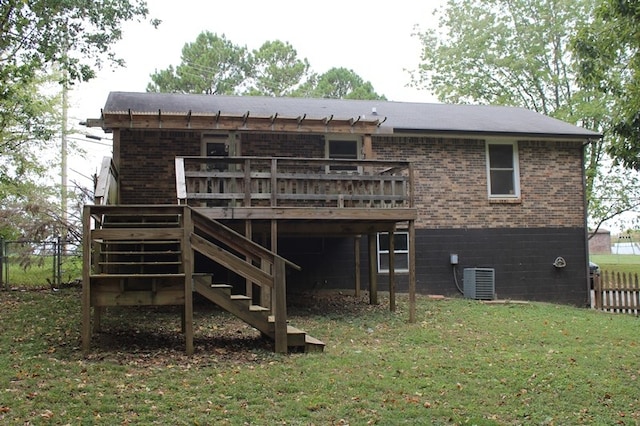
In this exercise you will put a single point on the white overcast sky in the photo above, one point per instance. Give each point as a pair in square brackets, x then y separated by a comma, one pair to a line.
[373, 38]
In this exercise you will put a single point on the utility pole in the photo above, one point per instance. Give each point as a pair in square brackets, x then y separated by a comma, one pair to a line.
[63, 154]
[63, 159]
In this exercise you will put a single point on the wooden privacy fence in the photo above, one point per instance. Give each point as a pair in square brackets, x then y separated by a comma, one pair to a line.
[617, 292]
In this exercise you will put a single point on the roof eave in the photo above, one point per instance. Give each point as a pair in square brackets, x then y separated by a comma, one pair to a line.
[484, 134]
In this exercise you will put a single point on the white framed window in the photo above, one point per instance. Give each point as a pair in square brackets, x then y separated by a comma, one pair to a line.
[401, 251]
[503, 175]
[343, 147]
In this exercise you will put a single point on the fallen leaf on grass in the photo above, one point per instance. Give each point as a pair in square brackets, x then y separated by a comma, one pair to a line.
[47, 414]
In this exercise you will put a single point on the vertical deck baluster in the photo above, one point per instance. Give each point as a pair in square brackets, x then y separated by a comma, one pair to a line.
[247, 183]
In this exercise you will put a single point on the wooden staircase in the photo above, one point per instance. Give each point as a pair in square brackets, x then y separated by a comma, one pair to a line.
[143, 255]
[256, 315]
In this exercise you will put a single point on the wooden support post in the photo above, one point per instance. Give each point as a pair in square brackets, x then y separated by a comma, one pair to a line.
[280, 309]
[412, 271]
[373, 271]
[274, 182]
[356, 250]
[247, 183]
[274, 249]
[367, 147]
[86, 277]
[392, 271]
[187, 265]
[248, 231]
[3, 285]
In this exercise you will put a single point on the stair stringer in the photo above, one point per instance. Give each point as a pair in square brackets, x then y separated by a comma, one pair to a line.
[257, 319]
[261, 320]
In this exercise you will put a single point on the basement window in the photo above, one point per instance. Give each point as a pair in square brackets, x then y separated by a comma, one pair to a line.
[502, 170]
[401, 251]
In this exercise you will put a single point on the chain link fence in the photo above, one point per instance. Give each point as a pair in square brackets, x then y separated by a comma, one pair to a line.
[34, 264]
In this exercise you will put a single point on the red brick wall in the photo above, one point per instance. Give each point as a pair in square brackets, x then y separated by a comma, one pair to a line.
[600, 243]
[147, 166]
[283, 145]
[451, 183]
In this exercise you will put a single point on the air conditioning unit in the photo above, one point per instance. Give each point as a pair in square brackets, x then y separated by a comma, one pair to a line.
[479, 283]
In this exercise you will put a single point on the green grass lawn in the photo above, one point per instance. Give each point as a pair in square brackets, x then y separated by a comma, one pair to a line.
[462, 362]
[622, 263]
[40, 272]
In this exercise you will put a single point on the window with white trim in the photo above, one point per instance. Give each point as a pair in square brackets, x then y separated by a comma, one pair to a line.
[502, 170]
[343, 148]
[401, 251]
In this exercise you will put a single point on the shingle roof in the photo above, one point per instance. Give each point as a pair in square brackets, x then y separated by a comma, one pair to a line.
[401, 117]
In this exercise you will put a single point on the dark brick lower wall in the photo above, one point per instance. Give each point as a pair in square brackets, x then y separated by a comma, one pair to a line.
[522, 258]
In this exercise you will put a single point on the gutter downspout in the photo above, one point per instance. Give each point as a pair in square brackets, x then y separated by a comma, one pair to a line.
[586, 215]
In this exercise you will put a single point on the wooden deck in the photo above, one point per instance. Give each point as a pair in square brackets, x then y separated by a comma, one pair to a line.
[144, 255]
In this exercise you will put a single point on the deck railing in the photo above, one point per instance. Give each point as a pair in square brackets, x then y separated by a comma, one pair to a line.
[106, 190]
[293, 182]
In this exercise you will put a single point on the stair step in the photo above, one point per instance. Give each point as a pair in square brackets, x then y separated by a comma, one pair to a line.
[295, 337]
[258, 308]
[239, 297]
[140, 263]
[221, 286]
[98, 276]
[311, 344]
[139, 242]
[140, 252]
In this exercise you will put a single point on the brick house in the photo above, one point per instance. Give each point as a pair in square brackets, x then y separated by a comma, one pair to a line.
[368, 194]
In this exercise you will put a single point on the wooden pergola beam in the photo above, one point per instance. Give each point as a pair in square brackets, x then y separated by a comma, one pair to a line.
[199, 121]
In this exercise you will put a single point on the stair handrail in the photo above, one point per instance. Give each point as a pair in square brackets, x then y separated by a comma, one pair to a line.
[275, 278]
[181, 181]
[106, 188]
[231, 238]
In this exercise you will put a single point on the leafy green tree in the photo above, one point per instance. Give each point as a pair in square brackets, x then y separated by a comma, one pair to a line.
[608, 50]
[78, 34]
[277, 70]
[211, 65]
[36, 37]
[508, 52]
[518, 52]
[214, 65]
[338, 83]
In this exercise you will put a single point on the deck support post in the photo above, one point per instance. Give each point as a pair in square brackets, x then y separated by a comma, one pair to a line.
[356, 254]
[86, 277]
[392, 271]
[248, 232]
[280, 309]
[279, 294]
[412, 271]
[373, 274]
[187, 264]
[266, 294]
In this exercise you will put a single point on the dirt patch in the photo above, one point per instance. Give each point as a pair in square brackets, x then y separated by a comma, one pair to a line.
[144, 335]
